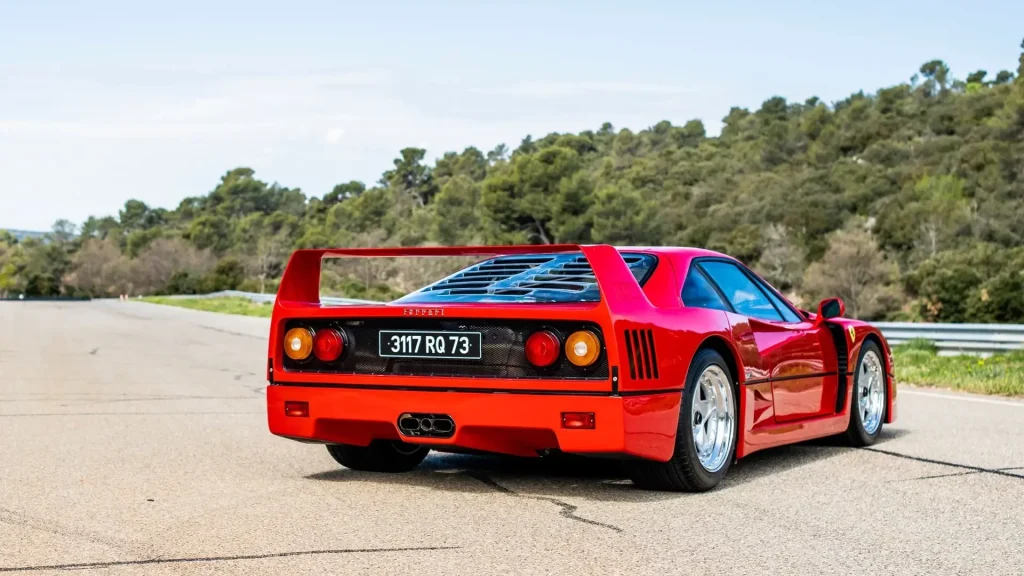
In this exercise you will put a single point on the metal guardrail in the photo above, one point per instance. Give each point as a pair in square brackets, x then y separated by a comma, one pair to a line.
[953, 339]
[950, 339]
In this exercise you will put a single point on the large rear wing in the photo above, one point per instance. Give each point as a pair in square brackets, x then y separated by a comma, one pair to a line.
[301, 281]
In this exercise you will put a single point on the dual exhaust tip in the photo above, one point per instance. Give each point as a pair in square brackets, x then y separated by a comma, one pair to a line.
[429, 425]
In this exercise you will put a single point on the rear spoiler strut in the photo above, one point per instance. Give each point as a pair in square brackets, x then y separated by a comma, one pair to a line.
[301, 280]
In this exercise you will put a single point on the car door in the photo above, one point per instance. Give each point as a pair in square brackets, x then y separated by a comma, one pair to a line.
[792, 349]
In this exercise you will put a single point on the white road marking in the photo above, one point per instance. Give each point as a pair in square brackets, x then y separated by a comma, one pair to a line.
[960, 398]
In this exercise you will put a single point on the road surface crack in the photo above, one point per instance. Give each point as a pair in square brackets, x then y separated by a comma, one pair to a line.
[567, 510]
[231, 332]
[12, 518]
[968, 467]
[83, 565]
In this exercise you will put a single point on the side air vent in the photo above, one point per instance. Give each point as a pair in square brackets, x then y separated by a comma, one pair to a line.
[843, 360]
[643, 360]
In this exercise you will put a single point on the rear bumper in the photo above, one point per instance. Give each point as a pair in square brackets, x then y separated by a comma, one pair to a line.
[640, 426]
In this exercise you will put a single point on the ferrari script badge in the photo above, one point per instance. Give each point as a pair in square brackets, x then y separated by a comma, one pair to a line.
[423, 312]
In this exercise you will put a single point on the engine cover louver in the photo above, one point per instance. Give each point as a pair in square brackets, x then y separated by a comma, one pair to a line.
[527, 278]
[643, 360]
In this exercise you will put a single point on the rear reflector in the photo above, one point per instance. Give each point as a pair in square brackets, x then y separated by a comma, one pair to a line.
[578, 420]
[296, 409]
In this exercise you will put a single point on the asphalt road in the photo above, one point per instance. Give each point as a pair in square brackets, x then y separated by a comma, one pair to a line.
[133, 440]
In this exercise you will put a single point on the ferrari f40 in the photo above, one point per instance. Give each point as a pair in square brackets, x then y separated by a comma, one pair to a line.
[678, 361]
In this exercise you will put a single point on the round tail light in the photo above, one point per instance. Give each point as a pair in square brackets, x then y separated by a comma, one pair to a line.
[582, 348]
[328, 345]
[298, 343]
[542, 348]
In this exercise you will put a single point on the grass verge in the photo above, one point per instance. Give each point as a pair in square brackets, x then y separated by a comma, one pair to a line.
[226, 305]
[919, 364]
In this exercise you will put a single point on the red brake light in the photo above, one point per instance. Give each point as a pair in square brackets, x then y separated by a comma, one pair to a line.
[296, 409]
[328, 345]
[542, 348]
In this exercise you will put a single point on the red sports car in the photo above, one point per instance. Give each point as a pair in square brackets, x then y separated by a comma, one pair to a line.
[676, 360]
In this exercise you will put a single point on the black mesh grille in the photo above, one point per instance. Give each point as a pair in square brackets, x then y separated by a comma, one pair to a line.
[503, 349]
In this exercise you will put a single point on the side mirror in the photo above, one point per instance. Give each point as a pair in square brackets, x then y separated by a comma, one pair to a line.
[830, 308]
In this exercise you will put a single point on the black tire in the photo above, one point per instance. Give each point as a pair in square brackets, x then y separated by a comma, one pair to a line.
[379, 456]
[856, 434]
[684, 472]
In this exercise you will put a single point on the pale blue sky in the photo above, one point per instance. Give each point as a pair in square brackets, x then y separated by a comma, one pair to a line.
[105, 101]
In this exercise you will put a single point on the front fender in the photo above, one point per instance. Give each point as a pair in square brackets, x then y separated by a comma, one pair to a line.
[857, 334]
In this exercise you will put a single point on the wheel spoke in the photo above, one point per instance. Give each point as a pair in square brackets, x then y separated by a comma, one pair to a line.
[871, 388]
[711, 418]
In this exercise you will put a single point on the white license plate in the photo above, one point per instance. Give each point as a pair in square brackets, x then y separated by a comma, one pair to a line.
[439, 345]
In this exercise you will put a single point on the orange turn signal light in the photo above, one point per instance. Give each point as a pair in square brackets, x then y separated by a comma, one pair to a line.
[298, 343]
[578, 420]
[582, 348]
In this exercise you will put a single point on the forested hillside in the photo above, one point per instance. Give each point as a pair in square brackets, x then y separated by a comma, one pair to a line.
[908, 203]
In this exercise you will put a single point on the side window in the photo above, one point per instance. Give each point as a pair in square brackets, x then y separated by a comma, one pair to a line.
[746, 298]
[787, 313]
[699, 293]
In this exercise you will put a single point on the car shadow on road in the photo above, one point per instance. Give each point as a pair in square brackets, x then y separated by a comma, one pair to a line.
[565, 475]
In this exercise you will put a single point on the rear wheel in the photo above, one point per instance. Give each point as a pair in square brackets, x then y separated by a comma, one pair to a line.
[706, 437]
[379, 456]
[867, 409]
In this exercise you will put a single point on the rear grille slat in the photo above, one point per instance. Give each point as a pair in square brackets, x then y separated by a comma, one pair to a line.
[629, 355]
[647, 354]
[641, 354]
[554, 286]
[654, 356]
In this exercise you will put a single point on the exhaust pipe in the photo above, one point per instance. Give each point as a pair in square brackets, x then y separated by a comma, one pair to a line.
[426, 425]
[443, 425]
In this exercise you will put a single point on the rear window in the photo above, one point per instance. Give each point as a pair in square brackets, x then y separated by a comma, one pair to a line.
[527, 278]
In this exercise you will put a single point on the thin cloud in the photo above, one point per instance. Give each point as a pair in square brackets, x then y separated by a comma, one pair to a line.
[570, 89]
[228, 107]
[334, 135]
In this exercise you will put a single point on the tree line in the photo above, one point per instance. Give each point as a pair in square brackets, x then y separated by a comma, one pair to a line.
[907, 202]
